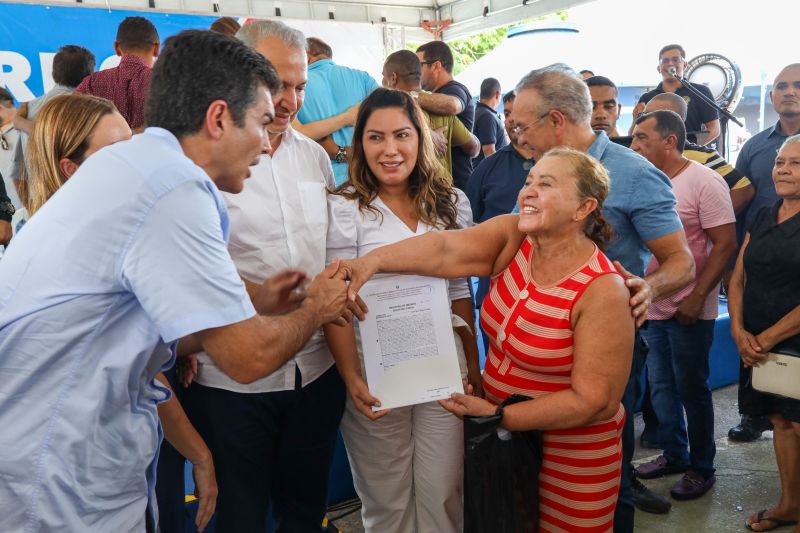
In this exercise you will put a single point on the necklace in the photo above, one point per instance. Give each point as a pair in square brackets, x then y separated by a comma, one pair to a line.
[683, 167]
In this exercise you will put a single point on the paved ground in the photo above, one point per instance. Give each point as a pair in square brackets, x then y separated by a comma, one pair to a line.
[747, 481]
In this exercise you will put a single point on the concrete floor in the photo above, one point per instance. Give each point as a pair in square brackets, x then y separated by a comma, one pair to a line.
[747, 480]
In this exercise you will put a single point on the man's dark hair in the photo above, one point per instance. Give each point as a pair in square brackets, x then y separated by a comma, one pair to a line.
[318, 47]
[509, 96]
[673, 47]
[406, 65]
[586, 71]
[489, 86]
[437, 51]
[601, 81]
[71, 64]
[136, 34]
[667, 123]
[6, 98]
[197, 67]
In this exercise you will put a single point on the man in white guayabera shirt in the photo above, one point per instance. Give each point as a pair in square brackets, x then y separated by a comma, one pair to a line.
[273, 440]
[90, 297]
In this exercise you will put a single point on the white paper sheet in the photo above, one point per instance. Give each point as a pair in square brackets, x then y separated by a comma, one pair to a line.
[407, 341]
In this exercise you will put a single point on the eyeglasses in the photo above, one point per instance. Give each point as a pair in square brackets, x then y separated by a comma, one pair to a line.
[431, 62]
[676, 60]
[519, 130]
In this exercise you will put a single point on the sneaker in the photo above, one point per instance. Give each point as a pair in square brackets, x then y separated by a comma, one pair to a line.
[648, 501]
[692, 485]
[658, 467]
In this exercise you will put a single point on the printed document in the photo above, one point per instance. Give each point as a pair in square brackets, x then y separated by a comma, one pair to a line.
[407, 341]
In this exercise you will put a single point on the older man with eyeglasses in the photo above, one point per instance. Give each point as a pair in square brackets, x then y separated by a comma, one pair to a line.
[699, 114]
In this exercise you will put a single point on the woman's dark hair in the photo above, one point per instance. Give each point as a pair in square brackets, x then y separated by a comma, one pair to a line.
[197, 67]
[433, 197]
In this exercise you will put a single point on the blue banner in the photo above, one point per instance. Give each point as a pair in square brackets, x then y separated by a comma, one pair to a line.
[30, 35]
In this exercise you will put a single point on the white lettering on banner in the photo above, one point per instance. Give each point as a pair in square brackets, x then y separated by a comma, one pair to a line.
[46, 60]
[14, 70]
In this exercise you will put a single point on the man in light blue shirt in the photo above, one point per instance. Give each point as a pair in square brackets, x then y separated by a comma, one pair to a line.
[126, 259]
[553, 108]
[330, 91]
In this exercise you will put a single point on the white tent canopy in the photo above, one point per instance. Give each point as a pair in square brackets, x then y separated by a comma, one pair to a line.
[405, 16]
[620, 39]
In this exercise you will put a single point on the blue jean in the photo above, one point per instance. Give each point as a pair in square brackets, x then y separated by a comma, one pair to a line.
[623, 514]
[677, 370]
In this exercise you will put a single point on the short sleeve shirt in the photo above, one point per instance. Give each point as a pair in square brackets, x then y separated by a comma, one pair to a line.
[771, 264]
[704, 202]
[495, 184]
[330, 91]
[355, 232]
[126, 85]
[755, 161]
[640, 206]
[127, 257]
[488, 129]
[462, 164]
[697, 111]
[456, 135]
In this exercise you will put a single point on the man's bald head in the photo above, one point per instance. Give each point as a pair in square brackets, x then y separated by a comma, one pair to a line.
[668, 102]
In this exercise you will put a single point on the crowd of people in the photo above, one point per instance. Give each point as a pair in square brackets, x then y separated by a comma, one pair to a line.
[186, 235]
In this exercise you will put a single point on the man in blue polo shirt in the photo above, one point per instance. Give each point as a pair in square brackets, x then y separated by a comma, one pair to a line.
[331, 90]
[755, 161]
[553, 108]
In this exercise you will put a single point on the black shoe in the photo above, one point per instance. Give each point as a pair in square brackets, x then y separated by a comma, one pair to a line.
[750, 428]
[648, 501]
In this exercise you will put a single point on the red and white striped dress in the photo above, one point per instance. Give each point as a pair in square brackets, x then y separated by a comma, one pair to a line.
[531, 353]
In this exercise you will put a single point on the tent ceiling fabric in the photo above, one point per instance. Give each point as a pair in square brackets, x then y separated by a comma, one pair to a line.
[466, 15]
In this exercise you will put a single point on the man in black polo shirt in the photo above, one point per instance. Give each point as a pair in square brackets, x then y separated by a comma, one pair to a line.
[488, 128]
[446, 97]
[698, 113]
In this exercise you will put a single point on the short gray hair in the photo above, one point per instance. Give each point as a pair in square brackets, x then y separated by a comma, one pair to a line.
[560, 87]
[673, 102]
[794, 139]
[255, 31]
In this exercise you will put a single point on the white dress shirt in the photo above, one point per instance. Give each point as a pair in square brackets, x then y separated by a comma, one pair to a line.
[355, 233]
[279, 221]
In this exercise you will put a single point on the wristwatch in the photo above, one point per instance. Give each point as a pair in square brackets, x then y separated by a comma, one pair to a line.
[341, 155]
[6, 210]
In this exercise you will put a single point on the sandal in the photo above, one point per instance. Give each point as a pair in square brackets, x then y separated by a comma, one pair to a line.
[779, 522]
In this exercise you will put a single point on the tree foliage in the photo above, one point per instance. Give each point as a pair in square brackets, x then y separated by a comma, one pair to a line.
[467, 50]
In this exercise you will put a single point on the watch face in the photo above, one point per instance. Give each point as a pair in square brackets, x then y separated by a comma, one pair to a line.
[7, 208]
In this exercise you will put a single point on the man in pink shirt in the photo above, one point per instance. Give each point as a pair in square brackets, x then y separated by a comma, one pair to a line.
[126, 85]
[681, 328]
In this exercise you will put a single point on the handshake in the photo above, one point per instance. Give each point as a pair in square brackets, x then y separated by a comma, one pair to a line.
[332, 295]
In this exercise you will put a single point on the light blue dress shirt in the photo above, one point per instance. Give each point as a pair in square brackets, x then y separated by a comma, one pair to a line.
[127, 257]
[640, 205]
[330, 91]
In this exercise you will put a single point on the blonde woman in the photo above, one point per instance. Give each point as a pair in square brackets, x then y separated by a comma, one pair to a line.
[67, 131]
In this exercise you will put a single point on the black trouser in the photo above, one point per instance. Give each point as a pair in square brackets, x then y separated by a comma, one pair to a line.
[170, 489]
[271, 448]
[623, 515]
